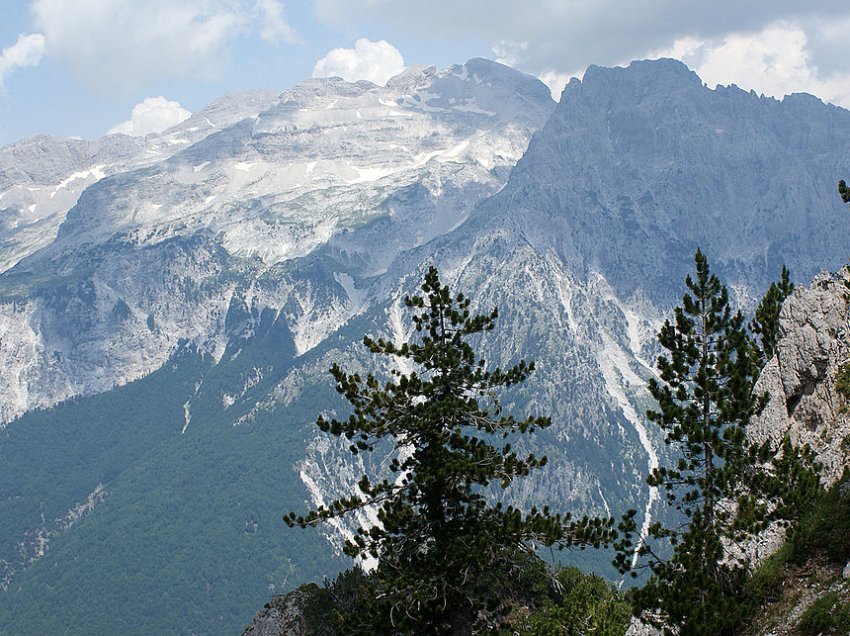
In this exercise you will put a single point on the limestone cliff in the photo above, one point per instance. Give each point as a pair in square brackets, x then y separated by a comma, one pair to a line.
[801, 377]
[283, 615]
[804, 403]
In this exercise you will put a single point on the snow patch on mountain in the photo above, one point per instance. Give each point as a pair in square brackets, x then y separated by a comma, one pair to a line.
[270, 179]
[327, 472]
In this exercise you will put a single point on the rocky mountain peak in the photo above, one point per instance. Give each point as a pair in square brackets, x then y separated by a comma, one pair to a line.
[649, 157]
[642, 76]
[266, 178]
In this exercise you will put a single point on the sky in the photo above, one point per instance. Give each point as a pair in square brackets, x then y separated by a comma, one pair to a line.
[85, 68]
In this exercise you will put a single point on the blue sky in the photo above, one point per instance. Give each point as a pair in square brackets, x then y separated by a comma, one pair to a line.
[79, 67]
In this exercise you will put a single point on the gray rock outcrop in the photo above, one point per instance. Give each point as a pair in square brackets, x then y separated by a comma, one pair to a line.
[801, 377]
[283, 615]
[639, 628]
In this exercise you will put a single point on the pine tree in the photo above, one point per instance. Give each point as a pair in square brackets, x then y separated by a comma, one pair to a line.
[720, 486]
[844, 191]
[765, 323]
[443, 548]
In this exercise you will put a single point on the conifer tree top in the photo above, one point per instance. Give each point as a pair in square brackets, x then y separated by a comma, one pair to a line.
[450, 444]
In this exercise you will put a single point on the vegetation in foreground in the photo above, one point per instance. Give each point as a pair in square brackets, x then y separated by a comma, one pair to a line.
[448, 558]
[810, 562]
[537, 600]
[722, 488]
[451, 562]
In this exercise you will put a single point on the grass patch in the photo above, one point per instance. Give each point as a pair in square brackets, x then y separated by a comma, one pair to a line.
[822, 535]
[824, 530]
[827, 615]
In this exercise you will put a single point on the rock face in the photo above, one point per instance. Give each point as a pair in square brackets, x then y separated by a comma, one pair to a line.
[800, 381]
[638, 628]
[801, 377]
[282, 616]
[213, 208]
[629, 180]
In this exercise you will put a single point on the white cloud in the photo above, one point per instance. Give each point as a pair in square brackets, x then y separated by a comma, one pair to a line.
[556, 81]
[573, 34]
[775, 61]
[509, 52]
[552, 38]
[26, 51]
[373, 61]
[274, 26]
[126, 43]
[151, 115]
[513, 53]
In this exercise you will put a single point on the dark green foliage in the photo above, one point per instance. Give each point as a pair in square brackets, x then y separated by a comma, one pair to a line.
[718, 482]
[767, 582]
[827, 615]
[442, 547]
[339, 606]
[765, 323]
[824, 529]
[586, 604]
[536, 601]
[844, 191]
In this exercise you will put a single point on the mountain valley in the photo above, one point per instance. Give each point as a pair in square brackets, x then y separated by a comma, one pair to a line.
[170, 305]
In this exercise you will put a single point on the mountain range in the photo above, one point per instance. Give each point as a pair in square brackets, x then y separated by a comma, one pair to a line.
[169, 306]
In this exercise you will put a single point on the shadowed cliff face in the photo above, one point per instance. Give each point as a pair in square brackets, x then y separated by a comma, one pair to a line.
[801, 377]
[813, 587]
[638, 166]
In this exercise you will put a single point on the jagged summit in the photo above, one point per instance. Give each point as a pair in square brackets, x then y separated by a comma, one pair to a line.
[634, 82]
[649, 160]
[643, 74]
